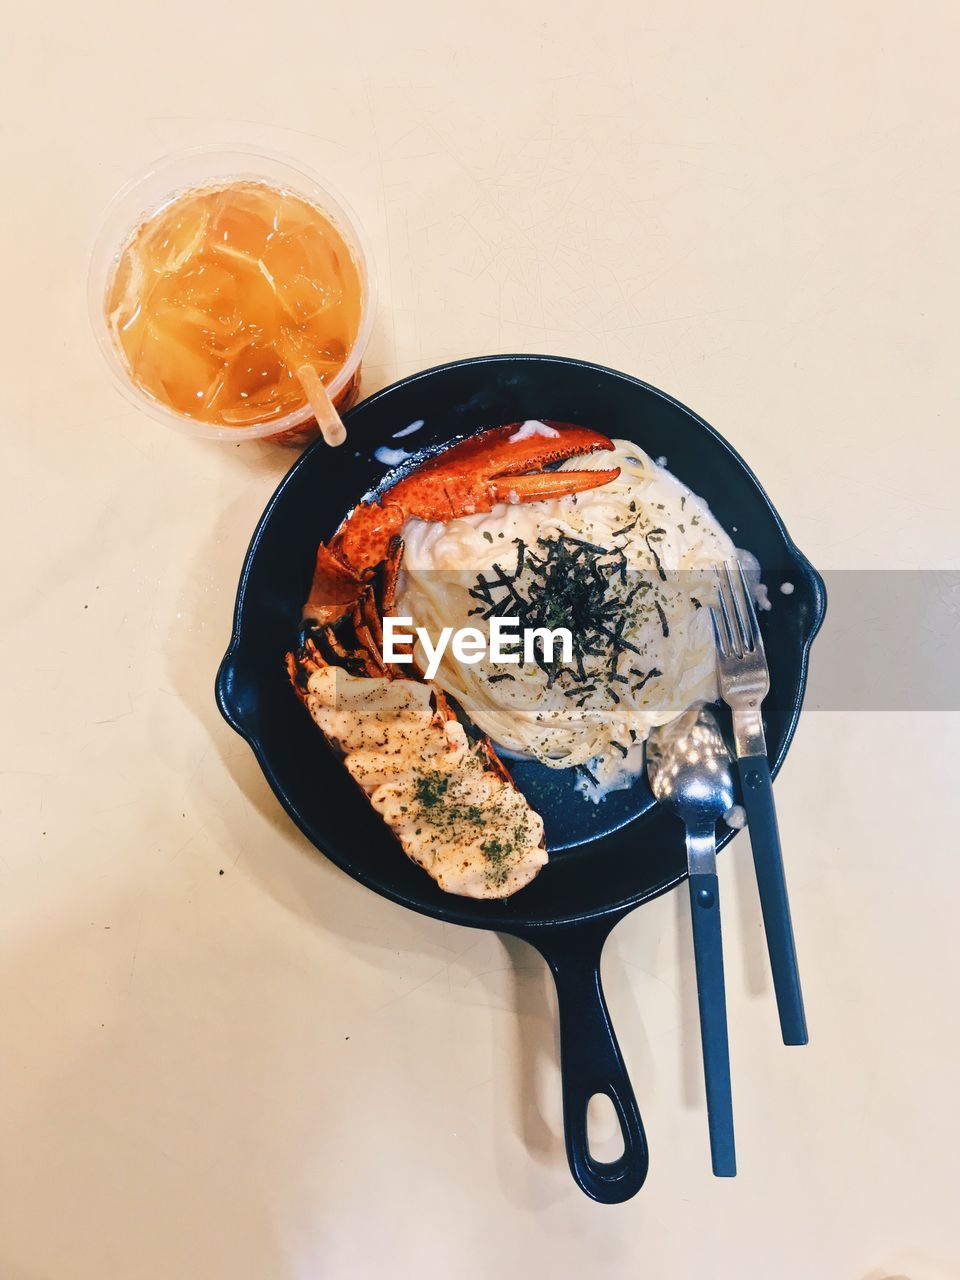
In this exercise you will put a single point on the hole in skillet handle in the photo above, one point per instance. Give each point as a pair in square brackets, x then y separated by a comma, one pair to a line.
[590, 1060]
[603, 1129]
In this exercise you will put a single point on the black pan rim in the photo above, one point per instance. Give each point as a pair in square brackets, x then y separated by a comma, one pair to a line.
[449, 910]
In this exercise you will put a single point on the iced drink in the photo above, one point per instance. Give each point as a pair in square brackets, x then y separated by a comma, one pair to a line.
[223, 298]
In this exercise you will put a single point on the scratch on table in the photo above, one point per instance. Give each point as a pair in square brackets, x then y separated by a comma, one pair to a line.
[113, 719]
[136, 950]
[639, 968]
[404, 995]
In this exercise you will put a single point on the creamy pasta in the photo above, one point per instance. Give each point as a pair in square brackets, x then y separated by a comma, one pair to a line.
[627, 566]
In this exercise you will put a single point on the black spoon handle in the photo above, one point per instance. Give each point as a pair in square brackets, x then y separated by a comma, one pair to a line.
[712, 998]
[774, 903]
[591, 1062]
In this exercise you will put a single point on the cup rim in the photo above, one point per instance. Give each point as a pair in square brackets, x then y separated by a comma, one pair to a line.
[119, 222]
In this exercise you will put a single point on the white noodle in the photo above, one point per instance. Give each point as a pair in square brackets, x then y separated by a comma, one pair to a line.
[528, 715]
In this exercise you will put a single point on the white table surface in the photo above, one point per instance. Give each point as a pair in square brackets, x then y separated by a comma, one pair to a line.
[271, 1074]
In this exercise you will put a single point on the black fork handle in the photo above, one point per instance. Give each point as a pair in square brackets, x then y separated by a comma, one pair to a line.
[774, 902]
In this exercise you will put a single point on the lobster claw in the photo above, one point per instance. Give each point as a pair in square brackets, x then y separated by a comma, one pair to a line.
[506, 465]
[503, 464]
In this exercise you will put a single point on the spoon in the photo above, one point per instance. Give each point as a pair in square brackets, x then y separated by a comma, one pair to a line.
[688, 766]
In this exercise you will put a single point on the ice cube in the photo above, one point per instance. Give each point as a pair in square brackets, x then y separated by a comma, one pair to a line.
[242, 222]
[172, 368]
[304, 282]
[170, 241]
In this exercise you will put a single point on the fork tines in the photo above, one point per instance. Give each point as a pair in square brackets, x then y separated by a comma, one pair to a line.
[735, 626]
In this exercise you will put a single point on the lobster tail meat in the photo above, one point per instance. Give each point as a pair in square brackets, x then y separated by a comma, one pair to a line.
[453, 808]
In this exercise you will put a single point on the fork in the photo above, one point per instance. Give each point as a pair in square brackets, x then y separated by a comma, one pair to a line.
[744, 683]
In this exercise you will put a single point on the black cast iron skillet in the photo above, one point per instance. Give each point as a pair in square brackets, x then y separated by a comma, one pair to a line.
[605, 859]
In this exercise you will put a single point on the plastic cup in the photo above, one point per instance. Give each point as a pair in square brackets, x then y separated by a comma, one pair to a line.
[205, 167]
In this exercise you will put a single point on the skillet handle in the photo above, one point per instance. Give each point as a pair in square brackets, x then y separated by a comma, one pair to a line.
[591, 1062]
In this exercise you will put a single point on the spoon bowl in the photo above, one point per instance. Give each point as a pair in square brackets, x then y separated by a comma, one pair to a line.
[688, 766]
